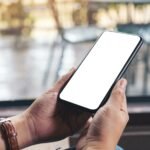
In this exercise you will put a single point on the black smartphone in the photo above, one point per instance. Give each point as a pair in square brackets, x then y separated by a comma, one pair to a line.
[90, 86]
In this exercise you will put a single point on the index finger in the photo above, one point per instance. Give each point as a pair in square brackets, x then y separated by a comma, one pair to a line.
[63, 80]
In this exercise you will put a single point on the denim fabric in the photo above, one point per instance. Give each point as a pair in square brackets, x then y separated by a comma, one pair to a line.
[117, 148]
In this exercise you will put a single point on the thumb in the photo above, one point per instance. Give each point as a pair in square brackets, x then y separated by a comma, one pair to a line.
[63, 80]
[117, 96]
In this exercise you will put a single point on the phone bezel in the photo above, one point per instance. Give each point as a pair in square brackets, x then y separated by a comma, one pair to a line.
[128, 62]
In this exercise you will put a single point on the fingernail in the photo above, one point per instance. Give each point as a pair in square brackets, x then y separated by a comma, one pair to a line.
[123, 84]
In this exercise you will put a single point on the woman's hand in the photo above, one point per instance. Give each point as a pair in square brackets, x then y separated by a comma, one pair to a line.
[50, 120]
[47, 119]
[104, 130]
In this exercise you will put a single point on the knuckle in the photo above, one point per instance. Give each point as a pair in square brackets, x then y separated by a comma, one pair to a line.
[107, 111]
[118, 93]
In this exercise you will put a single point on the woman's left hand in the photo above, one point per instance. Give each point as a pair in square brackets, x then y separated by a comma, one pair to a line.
[50, 120]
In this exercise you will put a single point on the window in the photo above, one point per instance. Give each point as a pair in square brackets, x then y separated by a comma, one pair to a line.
[28, 34]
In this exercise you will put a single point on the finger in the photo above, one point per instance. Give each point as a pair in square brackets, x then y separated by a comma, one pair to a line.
[122, 83]
[118, 97]
[63, 79]
[85, 128]
[89, 121]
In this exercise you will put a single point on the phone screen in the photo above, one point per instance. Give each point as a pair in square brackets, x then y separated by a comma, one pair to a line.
[99, 70]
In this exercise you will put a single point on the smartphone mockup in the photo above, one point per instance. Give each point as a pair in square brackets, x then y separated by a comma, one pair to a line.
[90, 86]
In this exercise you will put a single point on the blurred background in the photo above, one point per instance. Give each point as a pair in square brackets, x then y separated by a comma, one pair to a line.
[42, 39]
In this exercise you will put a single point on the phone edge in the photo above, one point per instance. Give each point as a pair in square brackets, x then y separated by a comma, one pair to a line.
[123, 70]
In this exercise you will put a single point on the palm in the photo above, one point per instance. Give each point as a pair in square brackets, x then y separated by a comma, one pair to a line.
[54, 118]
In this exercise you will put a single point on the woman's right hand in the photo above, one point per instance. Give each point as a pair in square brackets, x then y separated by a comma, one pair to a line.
[104, 130]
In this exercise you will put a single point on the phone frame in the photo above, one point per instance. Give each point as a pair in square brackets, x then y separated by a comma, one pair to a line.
[125, 67]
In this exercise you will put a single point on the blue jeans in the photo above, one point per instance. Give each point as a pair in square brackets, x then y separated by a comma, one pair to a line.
[117, 148]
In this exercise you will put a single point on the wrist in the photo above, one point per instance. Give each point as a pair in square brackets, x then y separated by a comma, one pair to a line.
[23, 126]
[2, 142]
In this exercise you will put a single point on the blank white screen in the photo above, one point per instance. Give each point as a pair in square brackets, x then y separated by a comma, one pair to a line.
[93, 79]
